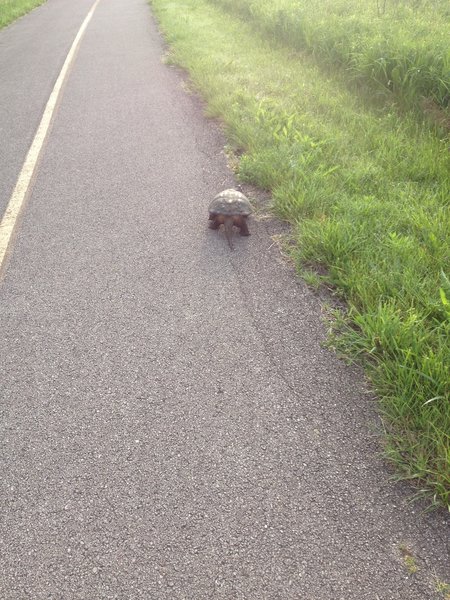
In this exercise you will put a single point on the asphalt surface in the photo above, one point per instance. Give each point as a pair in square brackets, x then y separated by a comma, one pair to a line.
[171, 426]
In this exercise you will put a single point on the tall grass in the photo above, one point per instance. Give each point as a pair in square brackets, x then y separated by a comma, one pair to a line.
[399, 48]
[368, 195]
[10, 10]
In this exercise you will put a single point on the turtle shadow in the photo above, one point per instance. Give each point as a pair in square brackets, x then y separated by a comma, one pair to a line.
[238, 241]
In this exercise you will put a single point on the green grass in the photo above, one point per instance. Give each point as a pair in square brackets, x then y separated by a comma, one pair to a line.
[400, 48]
[10, 10]
[368, 195]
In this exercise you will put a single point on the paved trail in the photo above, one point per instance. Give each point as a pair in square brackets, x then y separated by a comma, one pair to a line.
[170, 425]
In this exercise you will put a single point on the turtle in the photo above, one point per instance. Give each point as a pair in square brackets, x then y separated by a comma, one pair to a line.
[229, 208]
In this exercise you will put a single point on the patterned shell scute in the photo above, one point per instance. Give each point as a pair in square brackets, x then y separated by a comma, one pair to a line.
[230, 202]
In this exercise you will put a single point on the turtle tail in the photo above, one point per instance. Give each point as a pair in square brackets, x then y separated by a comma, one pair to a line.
[228, 224]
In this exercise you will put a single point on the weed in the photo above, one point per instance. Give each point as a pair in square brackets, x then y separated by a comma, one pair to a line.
[408, 559]
[443, 588]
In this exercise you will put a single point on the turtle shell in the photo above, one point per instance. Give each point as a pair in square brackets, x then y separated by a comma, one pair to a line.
[230, 202]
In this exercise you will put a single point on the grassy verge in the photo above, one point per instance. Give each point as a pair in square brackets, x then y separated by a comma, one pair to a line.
[399, 48]
[10, 10]
[368, 195]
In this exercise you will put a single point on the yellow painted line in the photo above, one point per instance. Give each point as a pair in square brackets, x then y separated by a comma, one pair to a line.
[24, 181]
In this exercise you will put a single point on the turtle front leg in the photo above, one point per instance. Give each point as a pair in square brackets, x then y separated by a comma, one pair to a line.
[213, 222]
[243, 227]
